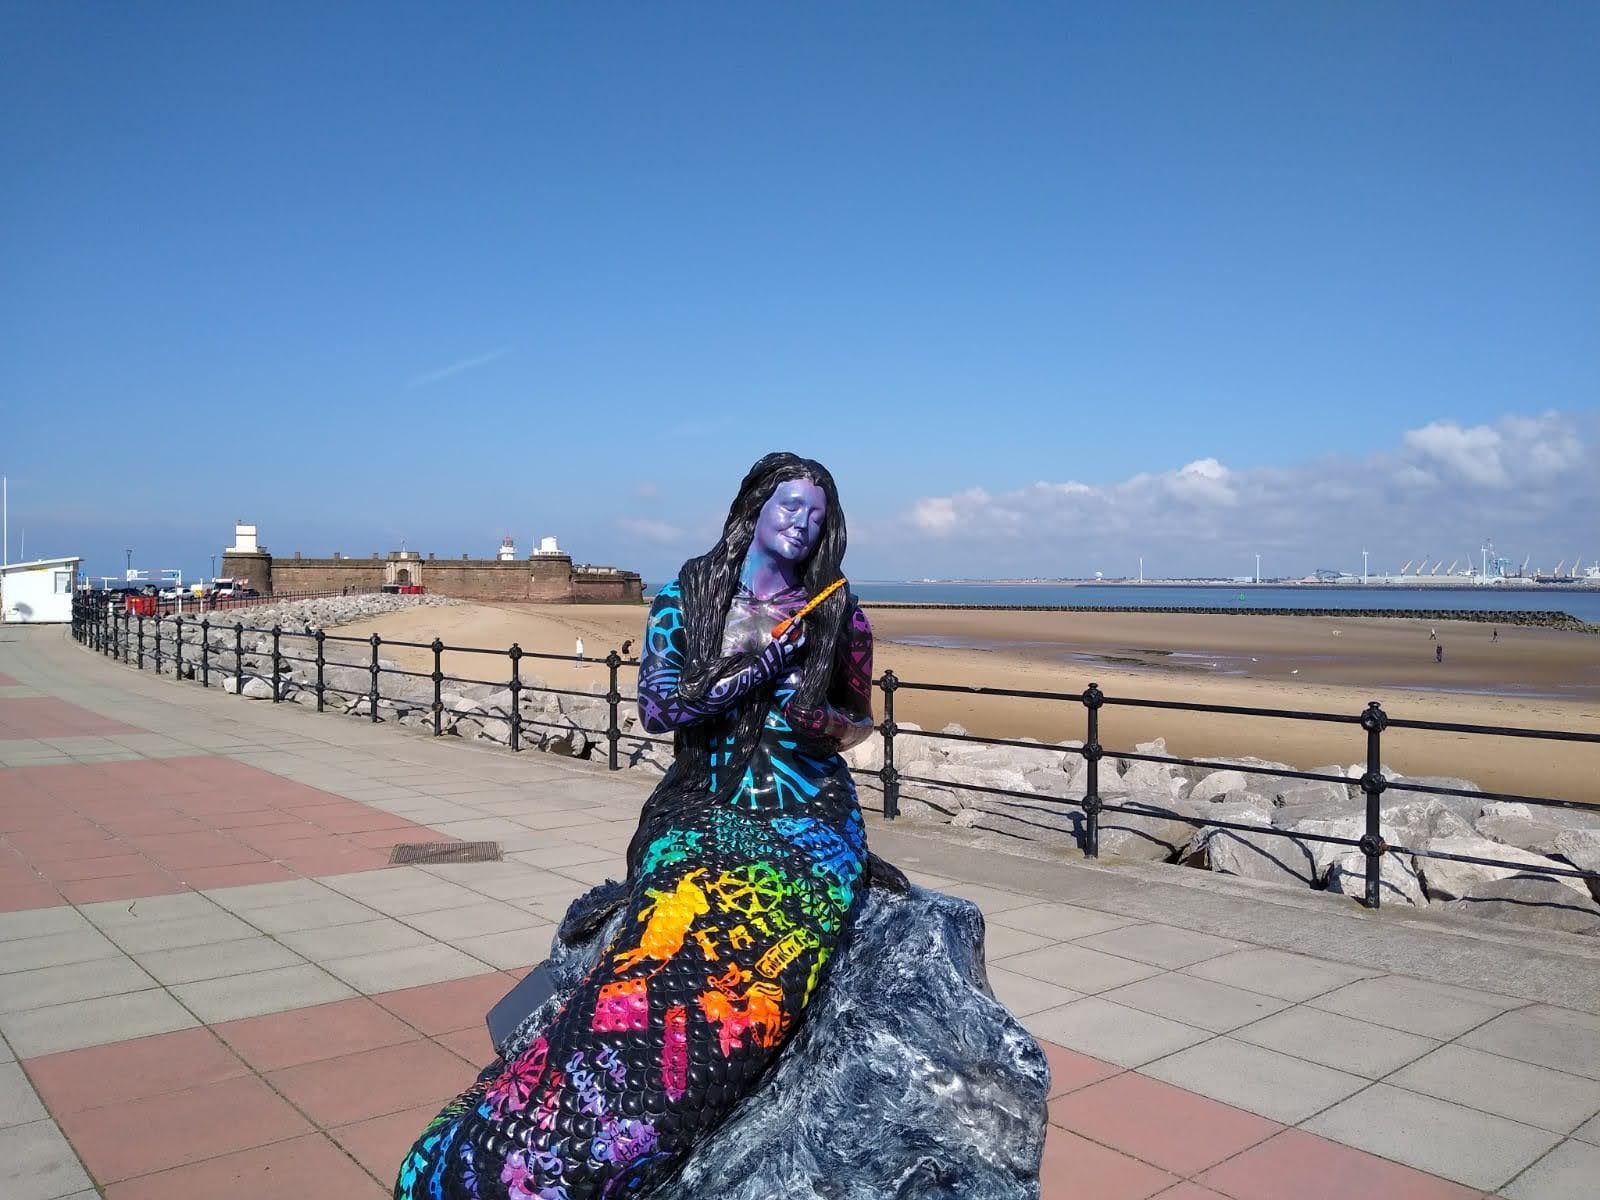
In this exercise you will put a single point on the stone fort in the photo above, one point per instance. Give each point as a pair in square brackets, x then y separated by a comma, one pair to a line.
[548, 574]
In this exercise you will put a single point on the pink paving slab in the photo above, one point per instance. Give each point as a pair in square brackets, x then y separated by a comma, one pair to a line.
[48, 717]
[7, 681]
[85, 832]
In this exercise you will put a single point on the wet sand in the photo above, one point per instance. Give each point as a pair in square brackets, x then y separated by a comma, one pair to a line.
[1530, 677]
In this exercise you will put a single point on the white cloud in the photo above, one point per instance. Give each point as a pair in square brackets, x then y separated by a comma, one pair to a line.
[645, 529]
[1472, 454]
[1524, 480]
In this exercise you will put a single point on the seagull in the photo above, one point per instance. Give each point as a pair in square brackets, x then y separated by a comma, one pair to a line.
[1296, 671]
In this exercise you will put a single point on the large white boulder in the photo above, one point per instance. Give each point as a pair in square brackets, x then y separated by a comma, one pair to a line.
[1218, 784]
[1398, 882]
[1448, 880]
[1581, 848]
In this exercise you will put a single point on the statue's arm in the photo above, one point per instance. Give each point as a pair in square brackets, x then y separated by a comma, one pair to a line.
[847, 721]
[673, 697]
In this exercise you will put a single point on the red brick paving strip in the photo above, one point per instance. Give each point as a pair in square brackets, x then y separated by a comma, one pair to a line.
[150, 827]
[48, 717]
[7, 681]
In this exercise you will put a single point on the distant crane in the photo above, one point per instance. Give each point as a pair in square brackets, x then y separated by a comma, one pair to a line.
[1423, 565]
[1556, 574]
[1407, 567]
[1523, 569]
[1452, 569]
[1577, 564]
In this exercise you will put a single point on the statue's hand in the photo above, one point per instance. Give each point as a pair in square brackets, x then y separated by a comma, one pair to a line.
[782, 652]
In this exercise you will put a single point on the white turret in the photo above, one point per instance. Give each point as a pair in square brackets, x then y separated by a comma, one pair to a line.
[244, 540]
[508, 550]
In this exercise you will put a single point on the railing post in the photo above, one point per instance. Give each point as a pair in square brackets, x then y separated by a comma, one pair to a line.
[238, 655]
[321, 661]
[613, 716]
[141, 641]
[373, 697]
[1092, 751]
[205, 652]
[1373, 720]
[277, 635]
[127, 631]
[438, 686]
[159, 619]
[887, 773]
[516, 695]
[177, 649]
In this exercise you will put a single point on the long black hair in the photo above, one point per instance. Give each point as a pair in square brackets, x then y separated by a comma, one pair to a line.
[709, 583]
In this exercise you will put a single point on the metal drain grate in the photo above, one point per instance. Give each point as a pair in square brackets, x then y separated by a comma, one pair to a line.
[445, 852]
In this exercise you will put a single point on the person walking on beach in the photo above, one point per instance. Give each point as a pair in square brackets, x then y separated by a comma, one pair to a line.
[1494, 636]
[1438, 653]
[627, 644]
[580, 649]
[1433, 635]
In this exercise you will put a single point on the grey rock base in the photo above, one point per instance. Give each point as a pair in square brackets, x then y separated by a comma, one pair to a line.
[906, 1079]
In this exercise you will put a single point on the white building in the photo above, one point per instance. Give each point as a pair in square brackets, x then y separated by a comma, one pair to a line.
[38, 592]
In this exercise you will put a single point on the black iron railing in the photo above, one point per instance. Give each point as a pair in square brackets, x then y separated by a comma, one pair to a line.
[119, 634]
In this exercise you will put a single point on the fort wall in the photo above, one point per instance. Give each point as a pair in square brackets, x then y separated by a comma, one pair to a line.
[551, 578]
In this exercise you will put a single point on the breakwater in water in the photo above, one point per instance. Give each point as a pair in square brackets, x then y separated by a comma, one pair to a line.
[1535, 619]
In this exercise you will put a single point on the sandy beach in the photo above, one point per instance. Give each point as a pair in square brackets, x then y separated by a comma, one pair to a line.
[1529, 677]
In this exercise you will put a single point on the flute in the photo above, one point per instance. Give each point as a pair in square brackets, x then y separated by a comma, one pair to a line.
[782, 627]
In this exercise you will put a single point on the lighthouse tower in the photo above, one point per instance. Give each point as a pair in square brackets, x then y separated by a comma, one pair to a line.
[508, 550]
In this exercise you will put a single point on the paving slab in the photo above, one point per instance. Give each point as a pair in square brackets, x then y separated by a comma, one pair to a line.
[1507, 1087]
[1025, 994]
[40, 922]
[472, 920]
[19, 1103]
[193, 963]
[1280, 973]
[1168, 1127]
[1444, 1139]
[1059, 922]
[1436, 1010]
[1547, 1036]
[1113, 1032]
[1256, 1079]
[1083, 970]
[1200, 1002]
[1589, 1131]
[1569, 1172]
[1358, 1047]
[388, 970]
[1159, 945]
[46, 986]
[145, 936]
[363, 937]
[1295, 1165]
[236, 996]
[117, 914]
[1001, 941]
[40, 1165]
[517, 948]
[310, 914]
[93, 1022]
[56, 950]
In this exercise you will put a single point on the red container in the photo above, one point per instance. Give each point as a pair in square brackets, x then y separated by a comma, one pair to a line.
[141, 606]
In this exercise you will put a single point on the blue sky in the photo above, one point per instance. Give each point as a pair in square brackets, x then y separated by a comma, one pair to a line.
[1017, 274]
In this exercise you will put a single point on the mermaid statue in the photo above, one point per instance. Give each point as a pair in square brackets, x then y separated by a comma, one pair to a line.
[744, 875]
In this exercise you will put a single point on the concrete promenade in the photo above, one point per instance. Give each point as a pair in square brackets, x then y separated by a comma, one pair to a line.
[212, 984]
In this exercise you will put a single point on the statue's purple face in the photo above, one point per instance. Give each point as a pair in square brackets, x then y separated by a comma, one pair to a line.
[790, 524]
